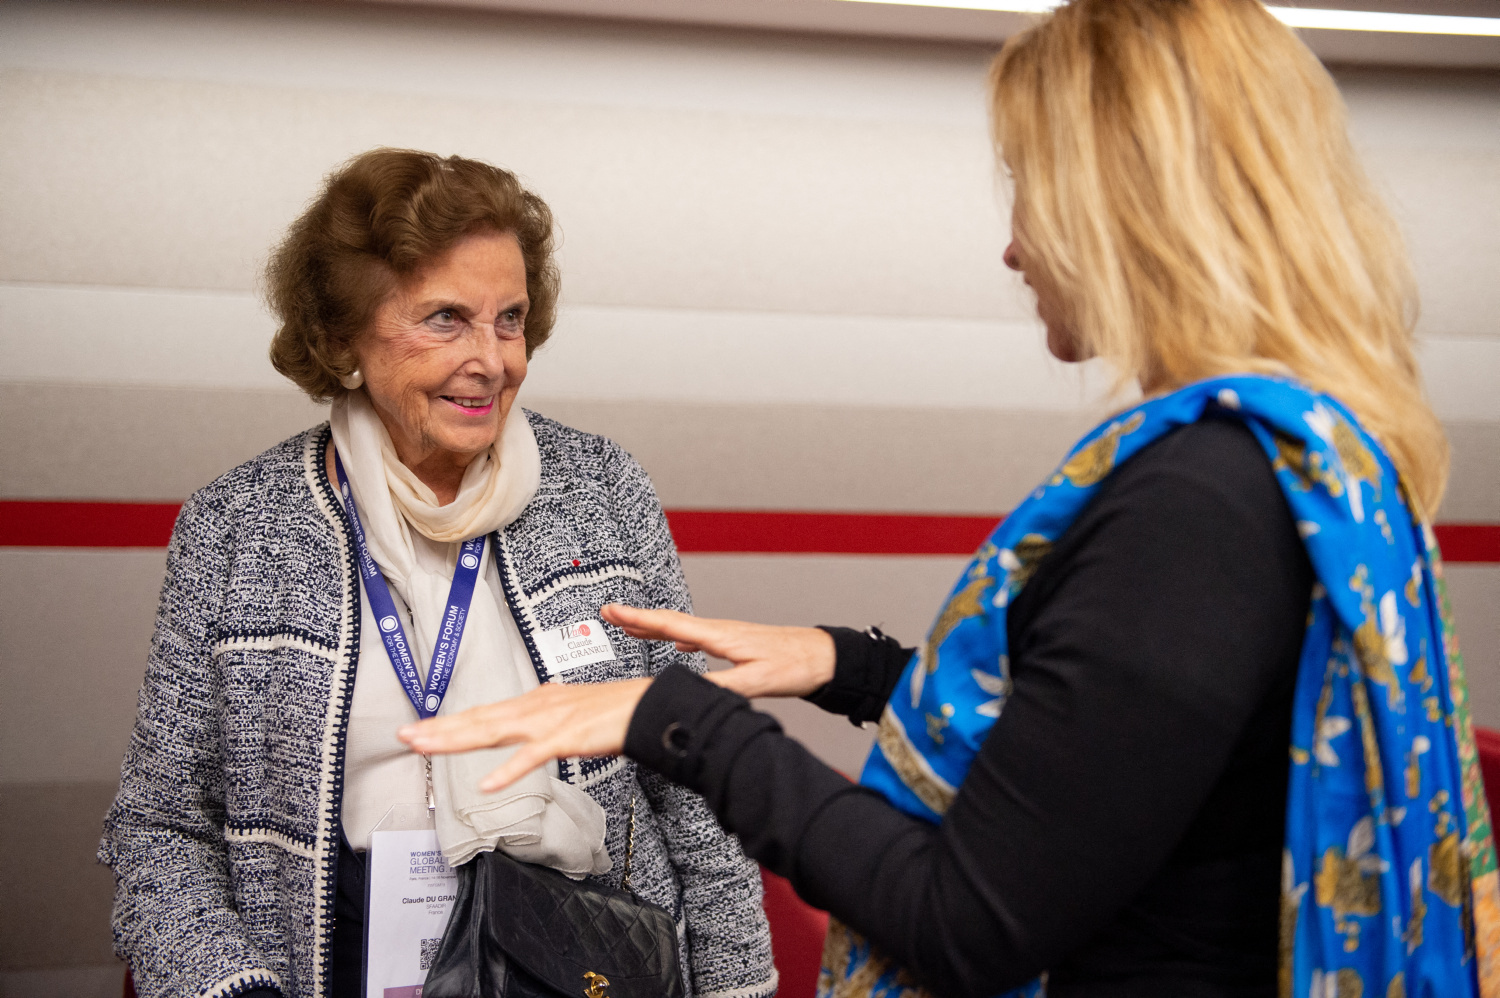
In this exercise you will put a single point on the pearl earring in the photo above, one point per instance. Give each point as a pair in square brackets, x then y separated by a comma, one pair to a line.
[352, 380]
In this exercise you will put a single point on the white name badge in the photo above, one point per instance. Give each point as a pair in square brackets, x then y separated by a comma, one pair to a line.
[568, 647]
[411, 892]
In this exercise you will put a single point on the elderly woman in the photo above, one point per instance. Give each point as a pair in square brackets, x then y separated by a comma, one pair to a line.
[1192, 722]
[412, 293]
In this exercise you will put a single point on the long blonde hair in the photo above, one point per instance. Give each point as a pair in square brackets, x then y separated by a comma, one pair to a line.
[1184, 180]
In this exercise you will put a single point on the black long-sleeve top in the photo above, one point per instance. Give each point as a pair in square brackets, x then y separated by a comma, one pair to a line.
[1122, 825]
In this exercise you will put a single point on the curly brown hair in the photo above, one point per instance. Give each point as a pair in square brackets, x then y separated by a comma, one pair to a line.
[379, 218]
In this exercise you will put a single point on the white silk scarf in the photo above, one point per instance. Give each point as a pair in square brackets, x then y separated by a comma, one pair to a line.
[539, 819]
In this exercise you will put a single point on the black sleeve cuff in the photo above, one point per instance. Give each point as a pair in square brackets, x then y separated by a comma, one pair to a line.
[867, 666]
[260, 993]
[678, 719]
[763, 786]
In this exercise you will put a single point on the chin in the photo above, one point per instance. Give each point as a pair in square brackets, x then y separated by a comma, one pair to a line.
[468, 439]
[471, 443]
[1062, 345]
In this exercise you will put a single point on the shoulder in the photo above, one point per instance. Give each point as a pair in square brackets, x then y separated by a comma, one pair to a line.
[571, 453]
[1207, 487]
[1212, 475]
[579, 469]
[273, 482]
[1220, 454]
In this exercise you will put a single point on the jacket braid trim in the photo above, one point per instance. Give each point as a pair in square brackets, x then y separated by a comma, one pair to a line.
[336, 727]
[566, 580]
[521, 608]
[273, 641]
[296, 844]
[245, 980]
[523, 611]
[595, 774]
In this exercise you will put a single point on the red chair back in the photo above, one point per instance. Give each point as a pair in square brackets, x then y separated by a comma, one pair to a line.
[797, 930]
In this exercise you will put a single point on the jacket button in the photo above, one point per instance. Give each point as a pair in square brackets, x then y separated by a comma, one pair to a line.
[676, 739]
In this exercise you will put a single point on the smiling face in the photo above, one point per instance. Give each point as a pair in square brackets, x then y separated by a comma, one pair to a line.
[445, 355]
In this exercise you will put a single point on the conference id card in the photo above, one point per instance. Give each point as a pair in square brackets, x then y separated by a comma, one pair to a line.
[411, 890]
[573, 645]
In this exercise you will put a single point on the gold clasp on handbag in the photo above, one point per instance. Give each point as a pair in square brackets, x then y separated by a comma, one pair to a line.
[596, 985]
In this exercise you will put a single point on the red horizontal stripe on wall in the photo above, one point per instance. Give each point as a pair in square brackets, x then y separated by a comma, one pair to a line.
[1469, 542]
[56, 524]
[87, 524]
[725, 531]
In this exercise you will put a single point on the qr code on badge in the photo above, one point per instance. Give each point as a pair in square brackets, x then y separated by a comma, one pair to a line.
[429, 952]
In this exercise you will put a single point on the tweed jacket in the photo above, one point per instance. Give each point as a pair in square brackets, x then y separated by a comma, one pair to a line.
[224, 836]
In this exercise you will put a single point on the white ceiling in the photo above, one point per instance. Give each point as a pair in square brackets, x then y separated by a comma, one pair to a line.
[895, 20]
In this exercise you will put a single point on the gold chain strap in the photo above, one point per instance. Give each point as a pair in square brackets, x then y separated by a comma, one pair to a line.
[629, 845]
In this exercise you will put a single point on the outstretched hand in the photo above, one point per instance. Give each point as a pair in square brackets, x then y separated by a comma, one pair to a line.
[553, 721]
[768, 661]
[559, 720]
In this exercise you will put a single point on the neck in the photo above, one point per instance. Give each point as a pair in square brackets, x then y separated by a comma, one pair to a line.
[443, 483]
[440, 471]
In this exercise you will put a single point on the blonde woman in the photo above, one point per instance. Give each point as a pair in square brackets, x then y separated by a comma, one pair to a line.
[1192, 721]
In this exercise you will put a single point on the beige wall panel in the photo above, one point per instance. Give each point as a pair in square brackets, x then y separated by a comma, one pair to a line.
[178, 184]
[91, 981]
[825, 458]
[1431, 141]
[1448, 203]
[900, 595]
[393, 49]
[898, 459]
[781, 358]
[73, 644]
[1462, 376]
[136, 443]
[217, 339]
[1474, 485]
[200, 339]
[1475, 593]
[135, 336]
[131, 443]
[57, 898]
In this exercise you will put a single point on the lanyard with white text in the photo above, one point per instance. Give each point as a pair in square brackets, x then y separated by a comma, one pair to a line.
[445, 649]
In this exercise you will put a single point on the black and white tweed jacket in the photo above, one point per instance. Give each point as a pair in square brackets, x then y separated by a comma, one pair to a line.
[224, 836]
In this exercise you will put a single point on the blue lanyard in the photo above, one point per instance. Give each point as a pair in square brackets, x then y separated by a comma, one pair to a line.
[445, 650]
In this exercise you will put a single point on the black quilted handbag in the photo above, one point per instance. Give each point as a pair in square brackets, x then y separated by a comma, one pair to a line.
[524, 931]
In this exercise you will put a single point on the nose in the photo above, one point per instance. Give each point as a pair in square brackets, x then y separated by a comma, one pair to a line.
[1013, 256]
[487, 356]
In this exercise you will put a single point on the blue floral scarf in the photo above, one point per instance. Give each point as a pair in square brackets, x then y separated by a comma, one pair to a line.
[1389, 883]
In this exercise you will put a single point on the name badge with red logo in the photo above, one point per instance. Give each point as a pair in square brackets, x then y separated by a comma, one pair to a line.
[573, 645]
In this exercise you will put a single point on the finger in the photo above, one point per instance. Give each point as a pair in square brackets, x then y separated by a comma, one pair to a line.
[528, 757]
[638, 621]
[688, 646]
[701, 633]
[658, 625]
[486, 726]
